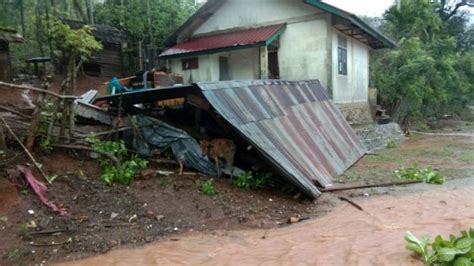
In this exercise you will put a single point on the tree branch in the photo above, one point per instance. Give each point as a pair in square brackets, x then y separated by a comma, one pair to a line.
[24, 87]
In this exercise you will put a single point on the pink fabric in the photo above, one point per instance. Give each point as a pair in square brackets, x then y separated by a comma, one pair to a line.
[40, 189]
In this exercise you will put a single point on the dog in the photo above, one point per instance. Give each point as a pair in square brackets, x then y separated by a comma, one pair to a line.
[217, 149]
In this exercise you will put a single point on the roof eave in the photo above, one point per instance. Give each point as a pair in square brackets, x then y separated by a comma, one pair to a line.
[211, 51]
[266, 42]
[208, 6]
[354, 20]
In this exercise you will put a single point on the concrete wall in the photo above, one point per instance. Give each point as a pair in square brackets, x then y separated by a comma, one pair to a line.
[243, 64]
[303, 53]
[208, 69]
[308, 50]
[350, 92]
[353, 87]
[248, 13]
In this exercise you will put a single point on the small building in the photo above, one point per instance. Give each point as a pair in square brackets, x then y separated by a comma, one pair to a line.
[279, 39]
[7, 36]
[107, 62]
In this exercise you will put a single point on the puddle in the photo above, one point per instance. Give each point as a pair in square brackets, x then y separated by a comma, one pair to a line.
[345, 236]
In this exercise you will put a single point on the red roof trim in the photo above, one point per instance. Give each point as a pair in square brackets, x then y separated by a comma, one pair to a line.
[235, 39]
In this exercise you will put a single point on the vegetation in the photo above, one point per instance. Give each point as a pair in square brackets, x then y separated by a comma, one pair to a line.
[392, 144]
[432, 72]
[207, 187]
[250, 180]
[414, 173]
[146, 22]
[111, 172]
[453, 251]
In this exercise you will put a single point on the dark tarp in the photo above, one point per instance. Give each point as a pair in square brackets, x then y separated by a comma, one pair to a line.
[156, 134]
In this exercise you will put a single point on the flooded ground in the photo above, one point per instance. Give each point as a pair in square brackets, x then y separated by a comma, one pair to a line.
[228, 228]
[345, 236]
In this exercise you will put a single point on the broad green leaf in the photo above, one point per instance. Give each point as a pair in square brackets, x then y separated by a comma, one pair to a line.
[447, 254]
[463, 245]
[463, 261]
[416, 245]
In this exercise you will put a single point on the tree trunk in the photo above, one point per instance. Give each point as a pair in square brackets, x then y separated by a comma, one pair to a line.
[90, 11]
[38, 28]
[79, 11]
[22, 18]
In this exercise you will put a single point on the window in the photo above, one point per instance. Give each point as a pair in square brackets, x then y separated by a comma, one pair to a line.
[190, 63]
[341, 55]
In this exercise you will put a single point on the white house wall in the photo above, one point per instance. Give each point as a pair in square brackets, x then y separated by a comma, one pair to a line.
[353, 87]
[248, 13]
[303, 53]
[208, 69]
[243, 64]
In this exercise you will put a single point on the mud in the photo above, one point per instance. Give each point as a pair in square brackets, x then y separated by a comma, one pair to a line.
[346, 236]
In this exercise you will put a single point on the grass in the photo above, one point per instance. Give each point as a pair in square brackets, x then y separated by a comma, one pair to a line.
[443, 153]
[11, 254]
[467, 157]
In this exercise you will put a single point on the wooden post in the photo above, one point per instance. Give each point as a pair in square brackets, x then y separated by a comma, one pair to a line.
[36, 118]
[3, 143]
[140, 55]
[264, 62]
[72, 120]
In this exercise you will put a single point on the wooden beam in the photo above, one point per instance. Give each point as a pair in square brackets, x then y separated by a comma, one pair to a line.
[264, 62]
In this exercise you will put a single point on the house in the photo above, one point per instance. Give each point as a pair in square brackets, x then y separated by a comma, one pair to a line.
[107, 62]
[7, 36]
[279, 39]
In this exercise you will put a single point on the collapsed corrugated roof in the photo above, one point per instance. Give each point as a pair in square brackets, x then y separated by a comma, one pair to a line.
[224, 41]
[293, 124]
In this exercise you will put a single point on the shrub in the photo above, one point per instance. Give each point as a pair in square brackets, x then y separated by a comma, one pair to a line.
[207, 188]
[250, 180]
[452, 251]
[426, 175]
[392, 144]
[111, 173]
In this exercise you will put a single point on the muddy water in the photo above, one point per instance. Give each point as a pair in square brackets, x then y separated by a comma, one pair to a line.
[346, 236]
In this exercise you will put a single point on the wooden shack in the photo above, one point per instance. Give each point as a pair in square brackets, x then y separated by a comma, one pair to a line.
[107, 62]
[7, 36]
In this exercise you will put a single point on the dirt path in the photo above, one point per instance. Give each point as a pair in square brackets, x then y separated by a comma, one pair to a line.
[345, 236]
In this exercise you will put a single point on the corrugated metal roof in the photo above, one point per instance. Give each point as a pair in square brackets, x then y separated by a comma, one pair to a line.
[234, 40]
[10, 36]
[293, 124]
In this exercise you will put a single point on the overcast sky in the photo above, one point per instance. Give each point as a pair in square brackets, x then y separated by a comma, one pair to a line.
[363, 7]
[374, 8]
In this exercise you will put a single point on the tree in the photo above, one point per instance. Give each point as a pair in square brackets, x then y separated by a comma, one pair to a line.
[74, 45]
[145, 20]
[431, 72]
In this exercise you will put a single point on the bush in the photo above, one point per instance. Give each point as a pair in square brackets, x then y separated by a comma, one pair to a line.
[249, 180]
[452, 251]
[426, 175]
[110, 172]
[207, 188]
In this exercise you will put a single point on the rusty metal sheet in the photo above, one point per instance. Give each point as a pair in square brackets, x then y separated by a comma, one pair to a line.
[293, 124]
[232, 40]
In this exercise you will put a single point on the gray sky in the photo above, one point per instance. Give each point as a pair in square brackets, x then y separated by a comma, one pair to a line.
[362, 7]
[374, 8]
